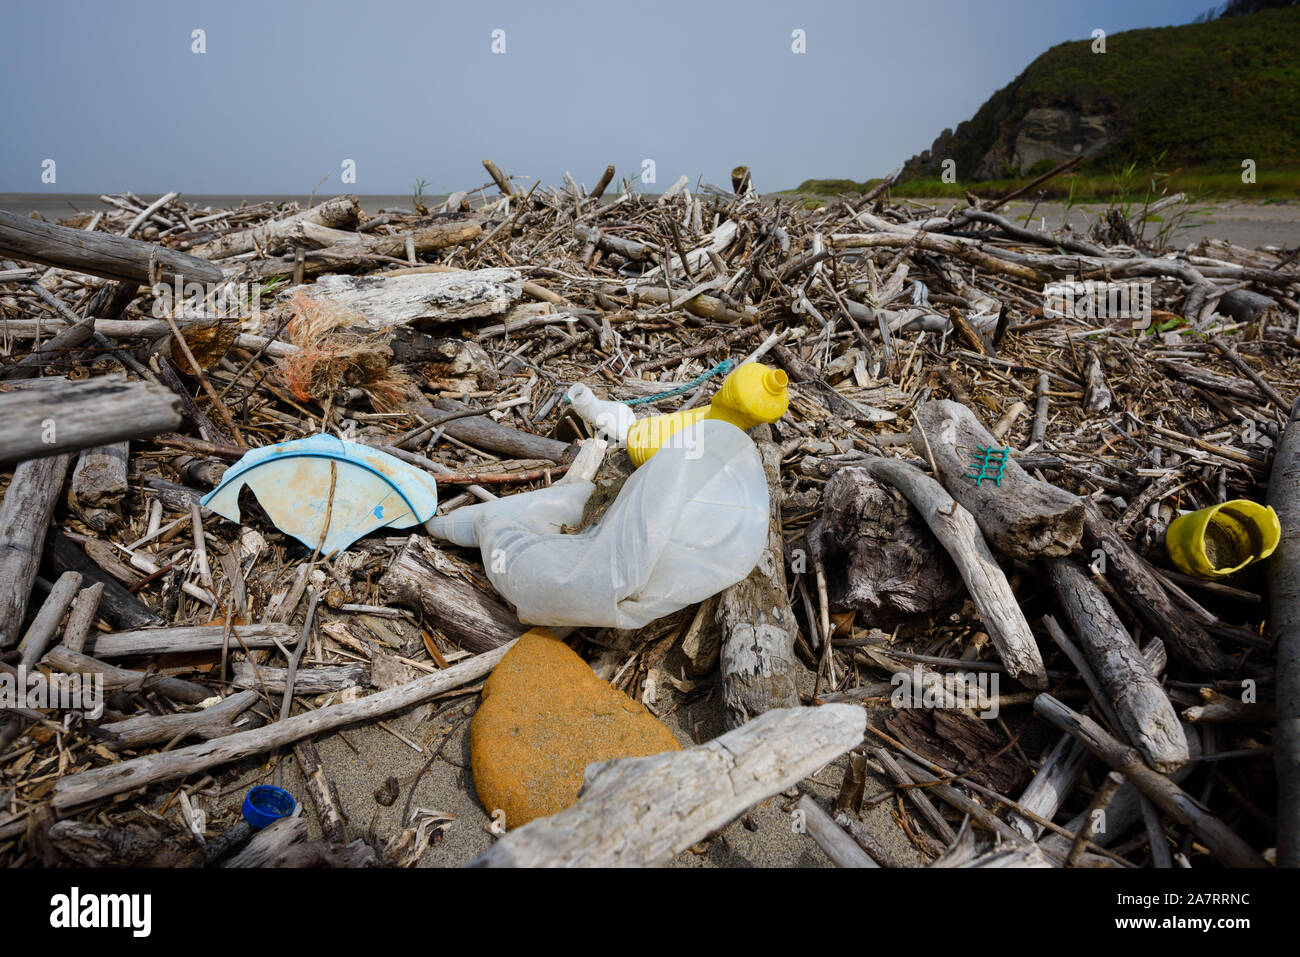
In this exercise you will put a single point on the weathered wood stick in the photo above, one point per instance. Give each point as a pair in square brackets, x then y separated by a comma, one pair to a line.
[830, 837]
[498, 177]
[876, 850]
[24, 518]
[324, 796]
[1049, 788]
[157, 641]
[639, 812]
[1284, 607]
[758, 626]
[338, 212]
[1020, 516]
[482, 432]
[212, 722]
[1125, 808]
[46, 623]
[81, 617]
[1093, 816]
[917, 797]
[307, 681]
[602, 183]
[123, 679]
[98, 254]
[1228, 849]
[80, 415]
[1141, 706]
[76, 789]
[1128, 571]
[469, 616]
[988, 586]
[270, 844]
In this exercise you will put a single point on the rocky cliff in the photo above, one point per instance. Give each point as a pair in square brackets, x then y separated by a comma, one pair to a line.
[1205, 93]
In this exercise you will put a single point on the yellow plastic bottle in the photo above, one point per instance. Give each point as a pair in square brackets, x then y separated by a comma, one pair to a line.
[751, 394]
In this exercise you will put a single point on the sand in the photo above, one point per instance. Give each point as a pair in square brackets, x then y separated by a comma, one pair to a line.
[763, 837]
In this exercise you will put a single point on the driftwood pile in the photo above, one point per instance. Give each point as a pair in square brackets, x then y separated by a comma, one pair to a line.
[1133, 715]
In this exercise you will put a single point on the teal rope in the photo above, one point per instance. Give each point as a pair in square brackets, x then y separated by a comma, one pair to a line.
[722, 366]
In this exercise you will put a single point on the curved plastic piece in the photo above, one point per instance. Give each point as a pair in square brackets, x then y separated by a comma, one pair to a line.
[751, 394]
[1215, 542]
[291, 480]
[691, 523]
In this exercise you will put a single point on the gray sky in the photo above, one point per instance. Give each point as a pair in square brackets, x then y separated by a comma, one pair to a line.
[284, 93]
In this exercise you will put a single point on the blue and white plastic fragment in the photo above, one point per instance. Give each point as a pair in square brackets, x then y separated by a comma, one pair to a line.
[371, 489]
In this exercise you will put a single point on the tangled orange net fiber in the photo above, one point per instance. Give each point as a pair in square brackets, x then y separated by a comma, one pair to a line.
[335, 352]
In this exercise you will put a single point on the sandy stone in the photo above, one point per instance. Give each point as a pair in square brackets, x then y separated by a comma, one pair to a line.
[545, 716]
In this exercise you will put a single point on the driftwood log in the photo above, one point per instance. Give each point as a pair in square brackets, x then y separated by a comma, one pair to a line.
[306, 681]
[99, 477]
[1125, 808]
[338, 212]
[842, 849]
[639, 812]
[881, 558]
[1284, 603]
[157, 641]
[212, 722]
[482, 432]
[24, 518]
[81, 415]
[422, 297]
[1144, 711]
[135, 845]
[757, 622]
[124, 679]
[81, 617]
[1021, 517]
[422, 578]
[76, 789]
[986, 582]
[1229, 849]
[99, 254]
[45, 625]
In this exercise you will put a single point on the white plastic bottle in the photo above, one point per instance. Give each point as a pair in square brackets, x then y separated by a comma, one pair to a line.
[687, 524]
[610, 419]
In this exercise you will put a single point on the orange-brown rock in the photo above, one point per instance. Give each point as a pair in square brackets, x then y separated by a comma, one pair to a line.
[545, 716]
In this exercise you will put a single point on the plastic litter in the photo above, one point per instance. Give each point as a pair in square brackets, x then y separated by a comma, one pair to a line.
[753, 393]
[266, 804]
[1215, 542]
[610, 419]
[690, 523]
[292, 482]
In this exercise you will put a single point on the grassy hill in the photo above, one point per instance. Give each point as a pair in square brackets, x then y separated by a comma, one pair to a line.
[1203, 97]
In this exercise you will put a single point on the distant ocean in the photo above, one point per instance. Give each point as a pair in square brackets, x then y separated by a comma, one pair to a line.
[56, 206]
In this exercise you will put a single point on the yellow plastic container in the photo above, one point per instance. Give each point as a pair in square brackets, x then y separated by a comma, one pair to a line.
[751, 394]
[1217, 541]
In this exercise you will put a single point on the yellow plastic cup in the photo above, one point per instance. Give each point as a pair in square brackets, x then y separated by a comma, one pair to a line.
[1214, 542]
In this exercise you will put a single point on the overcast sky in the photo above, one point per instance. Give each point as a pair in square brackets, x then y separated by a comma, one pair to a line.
[285, 93]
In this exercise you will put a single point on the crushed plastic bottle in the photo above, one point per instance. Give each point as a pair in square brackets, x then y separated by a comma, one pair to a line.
[690, 523]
